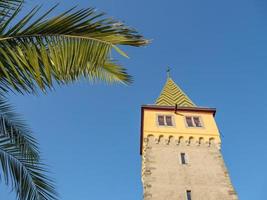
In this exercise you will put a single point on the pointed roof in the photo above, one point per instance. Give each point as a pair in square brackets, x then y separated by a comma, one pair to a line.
[172, 95]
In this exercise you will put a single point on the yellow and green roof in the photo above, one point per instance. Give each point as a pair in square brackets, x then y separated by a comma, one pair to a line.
[172, 95]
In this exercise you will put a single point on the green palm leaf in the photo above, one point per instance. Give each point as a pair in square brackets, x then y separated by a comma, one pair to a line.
[8, 7]
[62, 49]
[20, 166]
[13, 127]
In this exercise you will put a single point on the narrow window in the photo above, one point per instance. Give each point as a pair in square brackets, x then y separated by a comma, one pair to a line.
[183, 161]
[189, 121]
[197, 122]
[169, 121]
[188, 195]
[161, 120]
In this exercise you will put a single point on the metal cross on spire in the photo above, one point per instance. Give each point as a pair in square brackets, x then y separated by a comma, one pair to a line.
[168, 72]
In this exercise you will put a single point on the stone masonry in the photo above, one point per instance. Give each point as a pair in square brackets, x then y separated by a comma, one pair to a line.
[164, 177]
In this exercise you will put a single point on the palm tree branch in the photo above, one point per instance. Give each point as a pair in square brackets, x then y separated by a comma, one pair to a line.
[8, 8]
[25, 176]
[20, 164]
[116, 48]
[62, 49]
[12, 127]
[85, 23]
[44, 59]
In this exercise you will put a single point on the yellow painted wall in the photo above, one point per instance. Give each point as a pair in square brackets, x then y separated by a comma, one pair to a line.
[208, 131]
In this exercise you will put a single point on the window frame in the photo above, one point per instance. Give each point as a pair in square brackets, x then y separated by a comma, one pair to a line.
[193, 122]
[165, 121]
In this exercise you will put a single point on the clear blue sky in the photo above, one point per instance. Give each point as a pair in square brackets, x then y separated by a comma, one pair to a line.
[89, 134]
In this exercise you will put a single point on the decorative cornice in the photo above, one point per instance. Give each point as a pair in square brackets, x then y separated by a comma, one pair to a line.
[182, 140]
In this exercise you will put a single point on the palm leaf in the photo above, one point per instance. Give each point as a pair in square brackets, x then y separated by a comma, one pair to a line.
[62, 49]
[110, 72]
[13, 127]
[8, 7]
[20, 166]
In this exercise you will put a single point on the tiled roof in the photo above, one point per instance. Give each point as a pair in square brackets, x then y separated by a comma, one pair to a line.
[172, 95]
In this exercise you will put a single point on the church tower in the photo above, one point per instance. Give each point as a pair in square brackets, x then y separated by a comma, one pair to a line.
[180, 148]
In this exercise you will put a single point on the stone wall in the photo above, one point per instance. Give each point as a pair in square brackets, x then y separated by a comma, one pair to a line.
[165, 178]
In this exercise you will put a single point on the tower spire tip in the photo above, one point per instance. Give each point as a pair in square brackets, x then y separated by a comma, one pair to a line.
[168, 72]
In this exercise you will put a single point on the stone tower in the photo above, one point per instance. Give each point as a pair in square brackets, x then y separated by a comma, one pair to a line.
[180, 148]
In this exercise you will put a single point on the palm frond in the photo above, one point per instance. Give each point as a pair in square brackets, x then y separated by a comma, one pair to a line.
[26, 176]
[110, 72]
[20, 165]
[62, 49]
[13, 127]
[8, 7]
[10, 4]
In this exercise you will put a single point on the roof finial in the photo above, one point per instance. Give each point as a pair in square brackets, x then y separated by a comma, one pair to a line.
[168, 72]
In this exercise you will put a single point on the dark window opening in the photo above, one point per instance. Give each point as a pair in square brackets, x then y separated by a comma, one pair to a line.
[183, 160]
[197, 122]
[188, 195]
[189, 122]
[169, 121]
[161, 120]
